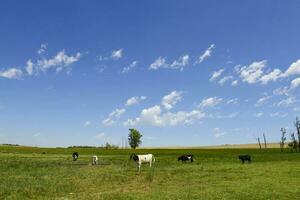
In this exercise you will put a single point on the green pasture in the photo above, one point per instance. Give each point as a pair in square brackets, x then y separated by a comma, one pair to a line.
[50, 173]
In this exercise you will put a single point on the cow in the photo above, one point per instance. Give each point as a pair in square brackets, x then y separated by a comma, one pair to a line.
[244, 158]
[186, 157]
[75, 156]
[139, 159]
[94, 160]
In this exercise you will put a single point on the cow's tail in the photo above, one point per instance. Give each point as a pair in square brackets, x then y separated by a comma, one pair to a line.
[153, 159]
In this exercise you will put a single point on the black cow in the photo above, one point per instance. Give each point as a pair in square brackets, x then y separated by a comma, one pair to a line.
[244, 158]
[75, 156]
[186, 157]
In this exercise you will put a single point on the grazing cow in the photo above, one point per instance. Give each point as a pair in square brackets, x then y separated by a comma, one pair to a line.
[244, 158]
[186, 157]
[94, 160]
[139, 159]
[75, 156]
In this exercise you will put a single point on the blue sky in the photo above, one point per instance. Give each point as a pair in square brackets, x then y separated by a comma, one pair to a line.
[183, 73]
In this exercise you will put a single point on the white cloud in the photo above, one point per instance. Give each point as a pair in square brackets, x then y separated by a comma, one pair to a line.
[117, 54]
[206, 54]
[42, 49]
[12, 73]
[234, 83]
[259, 114]
[281, 91]
[216, 74]
[130, 67]
[253, 72]
[223, 80]
[171, 99]
[262, 100]
[29, 67]
[113, 116]
[58, 62]
[87, 123]
[295, 83]
[287, 102]
[181, 62]
[232, 101]
[153, 116]
[158, 63]
[210, 102]
[218, 133]
[293, 69]
[135, 100]
[278, 114]
[272, 76]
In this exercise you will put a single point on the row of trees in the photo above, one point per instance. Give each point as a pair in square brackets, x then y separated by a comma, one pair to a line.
[294, 145]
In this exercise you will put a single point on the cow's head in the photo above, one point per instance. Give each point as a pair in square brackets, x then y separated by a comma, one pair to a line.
[134, 157]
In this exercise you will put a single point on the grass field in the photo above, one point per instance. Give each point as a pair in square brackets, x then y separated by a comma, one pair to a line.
[41, 173]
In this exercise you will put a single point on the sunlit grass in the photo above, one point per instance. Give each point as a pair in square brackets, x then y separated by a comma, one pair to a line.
[26, 173]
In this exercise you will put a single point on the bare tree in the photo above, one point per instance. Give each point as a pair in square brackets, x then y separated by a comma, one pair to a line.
[283, 138]
[293, 144]
[265, 141]
[258, 140]
[297, 125]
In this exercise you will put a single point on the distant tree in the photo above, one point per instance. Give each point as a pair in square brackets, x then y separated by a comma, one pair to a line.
[297, 125]
[283, 138]
[258, 140]
[293, 145]
[265, 141]
[134, 138]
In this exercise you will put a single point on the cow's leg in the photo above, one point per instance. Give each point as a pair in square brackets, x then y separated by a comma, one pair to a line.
[150, 163]
[140, 166]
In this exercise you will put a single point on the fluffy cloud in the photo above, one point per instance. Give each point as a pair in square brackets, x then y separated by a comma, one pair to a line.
[295, 83]
[234, 83]
[117, 54]
[293, 69]
[252, 73]
[206, 54]
[135, 100]
[29, 67]
[232, 101]
[158, 63]
[153, 116]
[210, 102]
[113, 116]
[12, 73]
[42, 49]
[58, 62]
[281, 91]
[287, 102]
[216, 74]
[223, 80]
[171, 99]
[181, 62]
[272, 76]
[130, 67]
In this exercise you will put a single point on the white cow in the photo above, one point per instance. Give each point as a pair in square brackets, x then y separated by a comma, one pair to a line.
[94, 160]
[139, 159]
